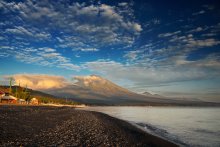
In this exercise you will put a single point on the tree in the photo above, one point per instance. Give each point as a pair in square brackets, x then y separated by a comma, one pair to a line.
[10, 83]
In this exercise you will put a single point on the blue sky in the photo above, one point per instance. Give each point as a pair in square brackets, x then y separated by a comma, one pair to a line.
[170, 48]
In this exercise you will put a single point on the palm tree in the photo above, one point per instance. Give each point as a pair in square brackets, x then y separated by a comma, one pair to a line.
[10, 83]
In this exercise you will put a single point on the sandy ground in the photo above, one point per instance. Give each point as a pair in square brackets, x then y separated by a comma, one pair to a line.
[65, 126]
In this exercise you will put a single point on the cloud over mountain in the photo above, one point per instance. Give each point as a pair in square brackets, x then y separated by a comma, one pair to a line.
[39, 81]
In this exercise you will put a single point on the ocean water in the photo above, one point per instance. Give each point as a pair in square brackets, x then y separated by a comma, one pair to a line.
[185, 126]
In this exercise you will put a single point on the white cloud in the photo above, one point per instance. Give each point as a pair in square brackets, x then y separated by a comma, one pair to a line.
[156, 21]
[199, 13]
[211, 61]
[87, 80]
[19, 30]
[60, 40]
[169, 34]
[42, 36]
[97, 25]
[45, 57]
[198, 29]
[209, 7]
[4, 55]
[202, 43]
[50, 55]
[122, 4]
[89, 49]
[69, 66]
[137, 27]
[175, 69]
[39, 81]
[132, 55]
[151, 23]
[184, 44]
[2, 38]
[209, 34]
[48, 49]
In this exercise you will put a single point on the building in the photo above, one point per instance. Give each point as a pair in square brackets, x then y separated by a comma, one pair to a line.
[21, 101]
[6, 99]
[34, 101]
[2, 94]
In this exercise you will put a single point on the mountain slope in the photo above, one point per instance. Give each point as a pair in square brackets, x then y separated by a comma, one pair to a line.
[96, 90]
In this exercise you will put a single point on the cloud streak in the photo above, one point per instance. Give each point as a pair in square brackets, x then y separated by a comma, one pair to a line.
[40, 56]
[19, 30]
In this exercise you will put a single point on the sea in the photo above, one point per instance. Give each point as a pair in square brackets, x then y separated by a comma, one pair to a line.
[185, 126]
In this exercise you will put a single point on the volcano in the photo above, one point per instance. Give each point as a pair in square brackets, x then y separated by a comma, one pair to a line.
[95, 90]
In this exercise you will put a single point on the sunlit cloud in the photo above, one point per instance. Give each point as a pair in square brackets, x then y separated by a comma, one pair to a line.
[39, 81]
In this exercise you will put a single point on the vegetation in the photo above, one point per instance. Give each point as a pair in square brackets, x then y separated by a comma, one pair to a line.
[26, 94]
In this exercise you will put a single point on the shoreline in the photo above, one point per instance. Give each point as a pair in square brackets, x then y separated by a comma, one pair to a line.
[63, 126]
[84, 106]
[135, 124]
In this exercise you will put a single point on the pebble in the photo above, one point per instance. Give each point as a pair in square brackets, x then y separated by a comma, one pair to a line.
[54, 126]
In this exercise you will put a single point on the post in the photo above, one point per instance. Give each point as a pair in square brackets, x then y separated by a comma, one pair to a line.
[10, 89]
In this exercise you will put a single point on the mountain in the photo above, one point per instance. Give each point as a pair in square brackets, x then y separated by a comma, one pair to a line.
[153, 95]
[147, 94]
[171, 98]
[100, 85]
[95, 90]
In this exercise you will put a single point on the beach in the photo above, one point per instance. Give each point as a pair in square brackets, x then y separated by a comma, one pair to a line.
[65, 126]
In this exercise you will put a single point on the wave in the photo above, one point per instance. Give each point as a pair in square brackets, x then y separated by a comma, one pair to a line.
[161, 133]
[205, 131]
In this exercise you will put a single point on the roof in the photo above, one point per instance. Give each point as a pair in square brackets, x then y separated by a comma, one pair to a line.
[34, 99]
[9, 98]
[1, 92]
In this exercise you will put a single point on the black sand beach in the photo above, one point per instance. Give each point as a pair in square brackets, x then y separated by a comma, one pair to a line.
[65, 126]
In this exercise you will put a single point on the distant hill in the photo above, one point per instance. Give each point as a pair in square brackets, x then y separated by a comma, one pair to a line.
[152, 95]
[147, 94]
[173, 98]
[95, 90]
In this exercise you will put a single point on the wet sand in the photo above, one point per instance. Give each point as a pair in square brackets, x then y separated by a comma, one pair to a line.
[65, 126]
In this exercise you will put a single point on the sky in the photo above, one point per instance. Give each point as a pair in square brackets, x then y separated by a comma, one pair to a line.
[169, 47]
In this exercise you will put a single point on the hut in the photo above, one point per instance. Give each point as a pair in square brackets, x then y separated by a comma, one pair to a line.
[34, 101]
[2, 94]
[8, 99]
[21, 101]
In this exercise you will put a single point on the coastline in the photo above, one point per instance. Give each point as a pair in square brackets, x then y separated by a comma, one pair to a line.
[63, 126]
